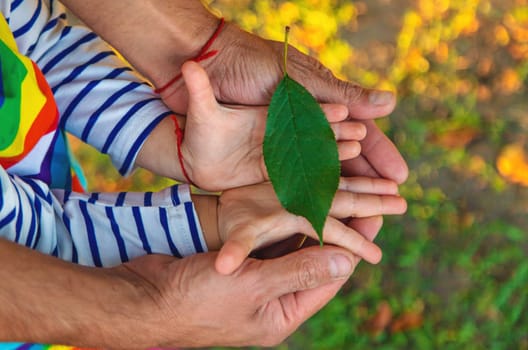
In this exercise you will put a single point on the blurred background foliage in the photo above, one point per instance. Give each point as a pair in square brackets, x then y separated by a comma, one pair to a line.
[455, 268]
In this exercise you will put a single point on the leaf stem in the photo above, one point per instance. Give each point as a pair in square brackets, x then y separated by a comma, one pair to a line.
[286, 33]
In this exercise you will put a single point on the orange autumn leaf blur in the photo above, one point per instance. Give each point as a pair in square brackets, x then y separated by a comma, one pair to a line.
[455, 138]
[502, 37]
[380, 320]
[407, 321]
[512, 164]
[509, 82]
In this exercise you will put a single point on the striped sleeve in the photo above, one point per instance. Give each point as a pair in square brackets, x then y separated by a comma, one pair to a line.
[100, 99]
[98, 229]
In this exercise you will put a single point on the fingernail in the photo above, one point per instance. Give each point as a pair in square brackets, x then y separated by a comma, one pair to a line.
[340, 266]
[380, 98]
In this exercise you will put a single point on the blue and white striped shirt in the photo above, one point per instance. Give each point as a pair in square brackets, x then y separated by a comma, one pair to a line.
[98, 229]
[103, 102]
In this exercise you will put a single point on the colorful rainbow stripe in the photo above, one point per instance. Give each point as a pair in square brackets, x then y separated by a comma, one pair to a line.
[27, 108]
[20, 346]
[30, 143]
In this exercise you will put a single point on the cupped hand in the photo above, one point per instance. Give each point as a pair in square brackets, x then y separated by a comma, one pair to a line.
[247, 69]
[222, 145]
[252, 217]
[187, 303]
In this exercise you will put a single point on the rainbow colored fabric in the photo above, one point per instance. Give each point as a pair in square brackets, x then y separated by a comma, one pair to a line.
[30, 143]
[19, 346]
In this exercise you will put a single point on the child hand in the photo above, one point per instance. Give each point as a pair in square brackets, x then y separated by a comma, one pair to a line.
[251, 217]
[222, 145]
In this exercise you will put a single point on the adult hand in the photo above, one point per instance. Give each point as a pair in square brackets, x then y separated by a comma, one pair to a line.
[188, 304]
[247, 69]
[162, 301]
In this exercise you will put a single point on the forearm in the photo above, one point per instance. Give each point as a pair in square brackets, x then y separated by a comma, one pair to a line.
[46, 300]
[159, 152]
[154, 36]
[207, 209]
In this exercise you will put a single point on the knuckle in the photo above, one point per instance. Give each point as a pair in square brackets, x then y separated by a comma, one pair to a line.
[352, 204]
[352, 91]
[309, 274]
[308, 66]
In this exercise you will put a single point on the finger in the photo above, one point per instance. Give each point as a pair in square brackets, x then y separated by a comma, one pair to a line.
[304, 269]
[362, 103]
[349, 130]
[352, 204]
[335, 232]
[334, 112]
[367, 227]
[250, 237]
[201, 95]
[379, 156]
[231, 256]
[300, 306]
[358, 166]
[348, 149]
[370, 185]
[367, 103]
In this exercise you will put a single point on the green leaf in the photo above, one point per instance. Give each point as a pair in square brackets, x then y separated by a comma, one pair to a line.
[300, 153]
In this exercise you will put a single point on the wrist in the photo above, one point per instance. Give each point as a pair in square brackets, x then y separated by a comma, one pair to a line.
[159, 153]
[207, 209]
[186, 36]
[177, 29]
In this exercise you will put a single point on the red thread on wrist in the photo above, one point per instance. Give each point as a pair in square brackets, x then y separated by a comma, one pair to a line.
[179, 140]
[202, 55]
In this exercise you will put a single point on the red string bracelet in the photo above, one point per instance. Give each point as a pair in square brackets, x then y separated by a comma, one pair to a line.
[179, 140]
[202, 55]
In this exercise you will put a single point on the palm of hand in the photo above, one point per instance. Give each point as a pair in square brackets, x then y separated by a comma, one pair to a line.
[263, 220]
[222, 146]
[225, 150]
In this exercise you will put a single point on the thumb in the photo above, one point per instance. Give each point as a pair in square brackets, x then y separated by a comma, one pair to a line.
[231, 256]
[307, 269]
[362, 103]
[202, 100]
